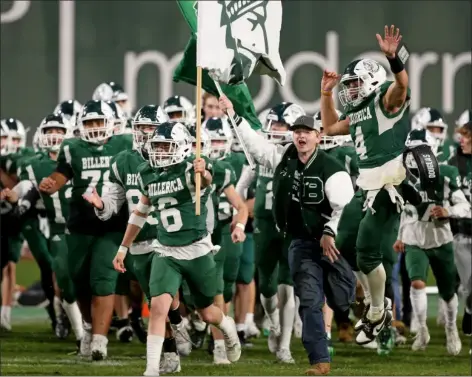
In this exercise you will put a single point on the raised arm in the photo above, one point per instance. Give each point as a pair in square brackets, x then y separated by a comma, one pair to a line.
[264, 152]
[398, 90]
[329, 117]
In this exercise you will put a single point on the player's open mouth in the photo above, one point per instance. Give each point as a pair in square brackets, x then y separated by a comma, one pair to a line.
[302, 143]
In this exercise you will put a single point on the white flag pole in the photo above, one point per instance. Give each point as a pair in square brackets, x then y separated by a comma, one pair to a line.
[250, 159]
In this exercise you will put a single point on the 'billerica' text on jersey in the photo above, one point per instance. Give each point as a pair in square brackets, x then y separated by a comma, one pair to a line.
[96, 162]
[162, 188]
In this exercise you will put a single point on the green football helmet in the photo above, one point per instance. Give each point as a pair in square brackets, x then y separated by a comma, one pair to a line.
[52, 131]
[279, 119]
[13, 136]
[146, 120]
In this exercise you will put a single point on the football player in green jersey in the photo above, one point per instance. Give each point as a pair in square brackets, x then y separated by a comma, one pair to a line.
[426, 237]
[432, 121]
[86, 161]
[33, 227]
[377, 120]
[223, 182]
[275, 284]
[221, 138]
[123, 188]
[183, 245]
[13, 138]
[53, 130]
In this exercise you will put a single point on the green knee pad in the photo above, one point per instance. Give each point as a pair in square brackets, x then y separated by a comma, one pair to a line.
[246, 263]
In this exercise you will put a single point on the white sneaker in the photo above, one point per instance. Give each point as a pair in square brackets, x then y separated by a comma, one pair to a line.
[182, 339]
[252, 331]
[5, 324]
[454, 344]
[170, 363]
[85, 343]
[441, 318]
[297, 327]
[219, 356]
[414, 325]
[273, 339]
[232, 344]
[99, 348]
[284, 356]
[422, 339]
[372, 345]
[151, 372]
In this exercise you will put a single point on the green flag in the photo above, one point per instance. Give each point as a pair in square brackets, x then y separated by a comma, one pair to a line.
[187, 72]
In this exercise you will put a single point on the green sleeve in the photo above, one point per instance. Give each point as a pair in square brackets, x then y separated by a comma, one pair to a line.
[143, 174]
[64, 160]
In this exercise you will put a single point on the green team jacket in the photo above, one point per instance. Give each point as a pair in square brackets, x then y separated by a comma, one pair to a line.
[324, 189]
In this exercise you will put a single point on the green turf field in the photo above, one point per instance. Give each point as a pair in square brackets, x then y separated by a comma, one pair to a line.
[32, 349]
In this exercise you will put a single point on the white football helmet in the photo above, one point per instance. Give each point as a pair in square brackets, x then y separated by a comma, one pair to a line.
[112, 91]
[48, 137]
[285, 114]
[148, 117]
[263, 117]
[204, 139]
[432, 121]
[359, 80]
[13, 135]
[422, 136]
[99, 111]
[221, 137]
[120, 118]
[170, 144]
[179, 109]
[329, 142]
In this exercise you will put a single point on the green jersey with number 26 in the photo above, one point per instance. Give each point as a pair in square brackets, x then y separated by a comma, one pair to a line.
[88, 166]
[171, 191]
[56, 205]
[378, 137]
[237, 160]
[123, 172]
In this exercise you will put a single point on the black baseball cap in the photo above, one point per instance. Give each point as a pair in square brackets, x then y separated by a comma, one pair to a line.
[305, 121]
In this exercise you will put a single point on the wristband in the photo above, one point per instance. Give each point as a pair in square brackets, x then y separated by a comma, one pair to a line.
[137, 220]
[240, 226]
[397, 63]
[327, 93]
[328, 231]
[123, 249]
[143, 208]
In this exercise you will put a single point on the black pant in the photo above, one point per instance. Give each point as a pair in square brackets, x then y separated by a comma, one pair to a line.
[314, 278]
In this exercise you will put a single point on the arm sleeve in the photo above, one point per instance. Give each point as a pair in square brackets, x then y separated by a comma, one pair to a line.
[115, 195]
[460, 205]
[29, 196]
[264, 152]
[339, 191]
[245, 180]
[64, 161]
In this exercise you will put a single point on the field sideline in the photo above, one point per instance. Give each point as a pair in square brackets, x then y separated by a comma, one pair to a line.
[32, 349]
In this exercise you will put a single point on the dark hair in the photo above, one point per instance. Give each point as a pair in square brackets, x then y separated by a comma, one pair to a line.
[465, 129]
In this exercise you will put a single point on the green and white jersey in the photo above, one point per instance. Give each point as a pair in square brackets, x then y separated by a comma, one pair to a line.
[418, 228]
[123, 189]
[447, 151]
[237, 160]
[57, 205]
[379, 139]
[88, 166]
[172, 192]
[223, 176]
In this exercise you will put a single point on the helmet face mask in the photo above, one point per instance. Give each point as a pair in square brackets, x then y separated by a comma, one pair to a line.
[52, 131]
[360, 79]
[432, 121]
[179, 109]
[96, 122]
[144, 124]
[170, 144]
[276, 127]
[221, 137]
[13, 135]
[278, 132]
